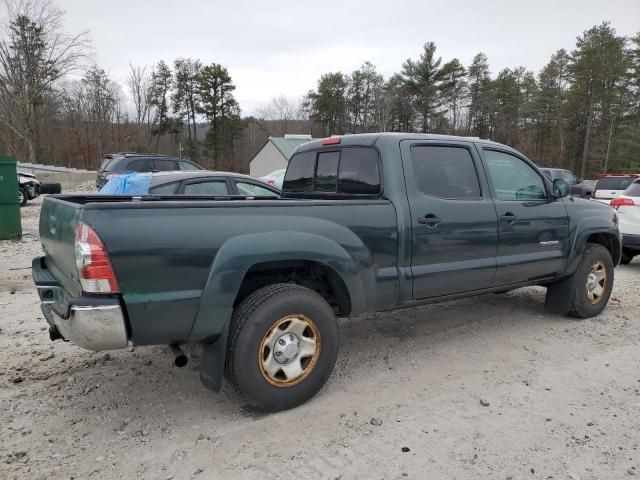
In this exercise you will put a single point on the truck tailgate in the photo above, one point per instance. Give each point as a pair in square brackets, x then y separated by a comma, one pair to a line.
[58, 220]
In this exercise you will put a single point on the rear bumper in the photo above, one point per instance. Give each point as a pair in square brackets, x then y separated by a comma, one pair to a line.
[94, 323]
[632, 242]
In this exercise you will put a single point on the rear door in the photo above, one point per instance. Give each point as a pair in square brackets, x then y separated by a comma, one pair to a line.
[453, 219]
[533, 226]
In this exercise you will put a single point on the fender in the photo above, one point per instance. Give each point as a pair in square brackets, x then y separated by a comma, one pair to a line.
[238, 254]
[581, 232]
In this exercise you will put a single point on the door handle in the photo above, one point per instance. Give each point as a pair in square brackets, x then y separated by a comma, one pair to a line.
[430, 220]
[508, 218]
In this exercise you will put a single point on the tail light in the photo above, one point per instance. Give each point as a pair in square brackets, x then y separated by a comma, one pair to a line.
[621, 202]
[94, 267]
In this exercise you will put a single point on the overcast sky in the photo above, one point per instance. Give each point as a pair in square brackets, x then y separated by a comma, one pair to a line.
[273, 47]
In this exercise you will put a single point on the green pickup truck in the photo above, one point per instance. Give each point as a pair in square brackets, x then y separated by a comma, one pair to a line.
[366, 223]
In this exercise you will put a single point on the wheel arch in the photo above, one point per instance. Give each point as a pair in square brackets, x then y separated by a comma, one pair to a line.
[240, 256]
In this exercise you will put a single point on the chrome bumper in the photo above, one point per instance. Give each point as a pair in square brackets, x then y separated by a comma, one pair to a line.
[94, 327]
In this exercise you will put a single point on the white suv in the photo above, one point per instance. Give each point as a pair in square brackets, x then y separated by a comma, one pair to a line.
[628, 207]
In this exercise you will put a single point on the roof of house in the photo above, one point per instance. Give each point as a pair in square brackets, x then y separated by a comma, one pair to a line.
[287, 145]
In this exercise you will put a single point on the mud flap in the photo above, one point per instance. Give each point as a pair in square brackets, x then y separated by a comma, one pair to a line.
[560, 296]
[213, 359]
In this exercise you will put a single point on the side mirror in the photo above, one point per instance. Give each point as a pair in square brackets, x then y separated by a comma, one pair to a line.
[579, 180]
[560, 188]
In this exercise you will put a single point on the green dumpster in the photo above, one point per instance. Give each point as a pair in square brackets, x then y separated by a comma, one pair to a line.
[10, 226]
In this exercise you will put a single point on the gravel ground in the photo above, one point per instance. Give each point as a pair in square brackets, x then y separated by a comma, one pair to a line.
[488, 387]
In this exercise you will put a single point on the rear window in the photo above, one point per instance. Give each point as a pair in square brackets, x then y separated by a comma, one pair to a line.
[633, 190]
[299, 176]
[348, 171]
[613, 183]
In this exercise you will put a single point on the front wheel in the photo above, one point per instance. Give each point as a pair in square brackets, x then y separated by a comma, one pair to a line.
[626, 257]
[586, 293]
[22, 196]
[283, 345]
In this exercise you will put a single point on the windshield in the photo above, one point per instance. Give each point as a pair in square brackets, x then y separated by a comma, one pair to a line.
[614, 183]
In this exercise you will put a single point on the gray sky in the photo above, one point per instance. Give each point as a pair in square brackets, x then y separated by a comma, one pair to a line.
[282, 47]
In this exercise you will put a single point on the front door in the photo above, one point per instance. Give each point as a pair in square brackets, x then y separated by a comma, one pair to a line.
[453, 219]
[534, 228]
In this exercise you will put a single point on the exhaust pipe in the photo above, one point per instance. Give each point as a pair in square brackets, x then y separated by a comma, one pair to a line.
[180, 358]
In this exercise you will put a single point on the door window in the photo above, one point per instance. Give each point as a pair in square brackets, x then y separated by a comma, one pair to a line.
[513, 178]
[164, 165]
[445, 172]
[188, 167]
[253, 190]
[168, 189]
[140, 165]
[218, 187]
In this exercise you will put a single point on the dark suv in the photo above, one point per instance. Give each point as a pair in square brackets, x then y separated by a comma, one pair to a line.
[122, 164]
[578, 187]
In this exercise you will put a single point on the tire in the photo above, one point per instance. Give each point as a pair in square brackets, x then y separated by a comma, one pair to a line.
[22, 196]
[626, 258]
[583, 295]
[261, 329]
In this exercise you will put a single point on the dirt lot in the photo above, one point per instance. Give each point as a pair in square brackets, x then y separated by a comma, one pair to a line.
[488, 387]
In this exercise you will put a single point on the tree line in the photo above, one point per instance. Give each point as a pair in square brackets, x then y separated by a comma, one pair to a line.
[581, 111]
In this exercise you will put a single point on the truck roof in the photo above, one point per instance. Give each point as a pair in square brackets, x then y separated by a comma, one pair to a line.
[375, 138]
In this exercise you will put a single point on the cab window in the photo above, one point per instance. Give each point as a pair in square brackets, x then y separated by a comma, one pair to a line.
[512, 178]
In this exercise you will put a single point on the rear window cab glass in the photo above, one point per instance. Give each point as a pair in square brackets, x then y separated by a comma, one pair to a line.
[188, 166]
[162, 165]
[633, 190]
[445, 172]
[218, 187]
[613, 183]
[140, 165]
[168, 189]
[348, 171]
[299, 176]
[359, 171]
[327, 171]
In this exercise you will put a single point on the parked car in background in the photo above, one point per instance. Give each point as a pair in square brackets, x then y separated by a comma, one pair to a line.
[209, 183]
[275, 178]
[29, 187]
[628, 207]
[365, 223]
[125, 163]
[578, 187]
[611, 185]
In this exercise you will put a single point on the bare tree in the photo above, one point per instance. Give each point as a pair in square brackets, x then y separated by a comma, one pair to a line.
[34, 54]
[282, 111]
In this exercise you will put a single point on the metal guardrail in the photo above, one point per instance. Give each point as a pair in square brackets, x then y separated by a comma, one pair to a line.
[39, 168]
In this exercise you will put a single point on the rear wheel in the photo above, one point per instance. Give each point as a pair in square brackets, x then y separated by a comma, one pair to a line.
[22, 196]
[283, 344]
